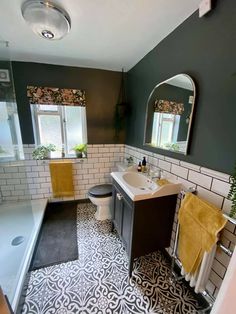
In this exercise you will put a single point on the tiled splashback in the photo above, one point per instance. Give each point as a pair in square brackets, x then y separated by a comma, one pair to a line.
[212, 186]
[30, 179]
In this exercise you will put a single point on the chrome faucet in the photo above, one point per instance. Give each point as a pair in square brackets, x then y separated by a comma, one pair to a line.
[157, 174]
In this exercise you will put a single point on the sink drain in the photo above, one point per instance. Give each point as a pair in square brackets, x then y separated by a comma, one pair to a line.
[17, 241]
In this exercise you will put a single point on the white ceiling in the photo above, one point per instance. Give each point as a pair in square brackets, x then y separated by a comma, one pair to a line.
[105, 34]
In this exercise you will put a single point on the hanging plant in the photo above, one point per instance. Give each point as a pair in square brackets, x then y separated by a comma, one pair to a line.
[232, 193]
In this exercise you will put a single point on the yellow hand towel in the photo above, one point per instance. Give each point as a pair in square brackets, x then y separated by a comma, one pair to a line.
[61, 177]
[161, 182]
[200, 222]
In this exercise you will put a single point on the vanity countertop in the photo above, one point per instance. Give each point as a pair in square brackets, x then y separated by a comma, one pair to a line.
[140, 187]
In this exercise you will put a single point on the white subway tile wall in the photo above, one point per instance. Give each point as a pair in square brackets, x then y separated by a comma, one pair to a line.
[212, 186]
[30, 179]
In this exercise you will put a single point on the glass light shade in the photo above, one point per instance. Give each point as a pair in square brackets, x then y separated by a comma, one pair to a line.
[47, 20]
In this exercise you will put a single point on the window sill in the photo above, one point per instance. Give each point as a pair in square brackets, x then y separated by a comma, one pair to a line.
[67, 158]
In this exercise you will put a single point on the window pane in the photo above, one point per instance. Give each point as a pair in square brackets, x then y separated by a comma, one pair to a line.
[75, 127]
[155, 129]
[50, 130]
[6, 147]
[166, 132]
[49, 108]
[18, 135]
[10, 140]
[168, 116]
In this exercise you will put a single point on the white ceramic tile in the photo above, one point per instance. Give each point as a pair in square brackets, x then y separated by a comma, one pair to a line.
[20, 175]
[200, 179]
[186, 184]
[164, 165]
[13, 181]
[21, 187]
[179, 171]
[220, 187]
[172, 160]
[222, 257]
[167, 175]
[6, 175]
[230, 236]
[10, 169]
[219, 268]
[215, 174]
[230, 227]
[209, 196]
[210, 287]
[190, 166]
[216, 280]
[159, 156]
[96, 170]
[31, 162]
[88, 176]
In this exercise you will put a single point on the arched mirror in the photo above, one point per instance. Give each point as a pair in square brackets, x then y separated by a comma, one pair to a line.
[169, 114]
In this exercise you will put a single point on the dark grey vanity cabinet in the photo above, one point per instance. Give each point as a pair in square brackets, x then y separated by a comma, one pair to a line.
[144, 226]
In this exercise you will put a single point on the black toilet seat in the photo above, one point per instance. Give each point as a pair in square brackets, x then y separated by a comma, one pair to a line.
[101, 190]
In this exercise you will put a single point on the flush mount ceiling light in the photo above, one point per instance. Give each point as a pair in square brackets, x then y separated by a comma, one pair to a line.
[46, 19]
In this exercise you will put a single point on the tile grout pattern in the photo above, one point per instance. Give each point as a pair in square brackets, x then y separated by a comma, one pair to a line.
[16, 178]
[98, 281]
[30, 179]
[212, 186]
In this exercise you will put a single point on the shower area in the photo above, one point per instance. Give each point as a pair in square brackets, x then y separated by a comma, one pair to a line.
[20, 217]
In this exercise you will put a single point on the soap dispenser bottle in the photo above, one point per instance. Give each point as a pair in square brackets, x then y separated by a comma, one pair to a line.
[144, 165]
[139, 167]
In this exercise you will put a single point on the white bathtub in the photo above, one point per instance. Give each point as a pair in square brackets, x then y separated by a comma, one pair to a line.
[18, 219]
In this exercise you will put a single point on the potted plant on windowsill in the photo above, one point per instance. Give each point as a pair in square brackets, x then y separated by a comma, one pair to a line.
[80, 150]
[43, 151]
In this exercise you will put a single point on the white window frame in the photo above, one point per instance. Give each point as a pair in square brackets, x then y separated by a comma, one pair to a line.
[36, 111]
[159, 118]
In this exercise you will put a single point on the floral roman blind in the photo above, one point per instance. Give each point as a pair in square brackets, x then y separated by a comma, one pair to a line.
[166, 106]
[56, 96]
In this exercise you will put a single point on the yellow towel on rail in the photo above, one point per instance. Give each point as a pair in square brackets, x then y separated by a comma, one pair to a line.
[200, 222]
[61, 177]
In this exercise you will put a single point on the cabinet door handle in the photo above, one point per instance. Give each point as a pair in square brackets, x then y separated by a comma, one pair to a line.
[119, 196]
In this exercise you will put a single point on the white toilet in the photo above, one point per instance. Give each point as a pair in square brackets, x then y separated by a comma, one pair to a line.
[101, 196]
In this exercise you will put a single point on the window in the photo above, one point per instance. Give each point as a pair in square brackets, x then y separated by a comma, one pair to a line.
[165, 128]
[10, 142]
[64, 126]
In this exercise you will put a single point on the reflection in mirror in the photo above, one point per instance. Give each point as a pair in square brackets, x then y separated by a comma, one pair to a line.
[10, 140]
[169, 114]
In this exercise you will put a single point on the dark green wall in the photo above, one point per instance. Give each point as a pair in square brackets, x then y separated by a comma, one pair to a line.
[101, 87]
[206, 50]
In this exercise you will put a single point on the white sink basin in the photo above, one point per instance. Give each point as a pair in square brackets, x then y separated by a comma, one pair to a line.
[137, 180]
[140, 187]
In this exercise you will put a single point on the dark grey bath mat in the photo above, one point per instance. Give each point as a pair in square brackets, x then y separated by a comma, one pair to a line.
[57, 242]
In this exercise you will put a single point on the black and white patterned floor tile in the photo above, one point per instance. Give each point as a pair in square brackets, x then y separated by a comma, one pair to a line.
[98, 281]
